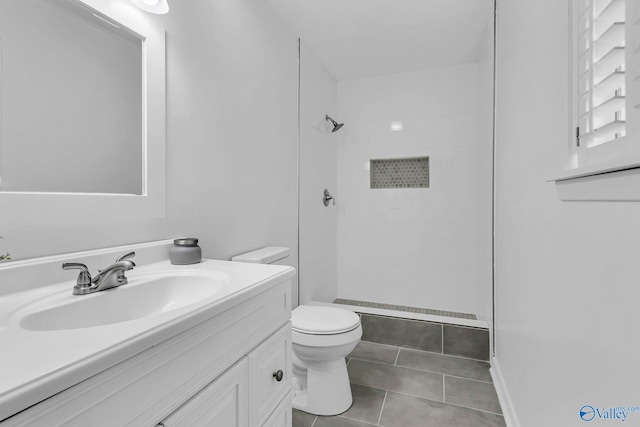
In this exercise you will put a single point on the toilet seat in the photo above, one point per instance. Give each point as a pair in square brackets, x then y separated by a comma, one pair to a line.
[320, 320]
[326, 340]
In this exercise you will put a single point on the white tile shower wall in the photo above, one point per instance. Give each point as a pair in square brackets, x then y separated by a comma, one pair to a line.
[567, 272]
[318, 97]
[231, 140]
[415, 247]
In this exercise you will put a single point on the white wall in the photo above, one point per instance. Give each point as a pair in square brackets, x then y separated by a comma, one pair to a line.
[232, 156]
[231, 140]
[416, 247]
[318, 225]
[567, 272]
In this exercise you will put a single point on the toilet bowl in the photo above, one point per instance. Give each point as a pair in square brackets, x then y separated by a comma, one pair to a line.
[322, 336]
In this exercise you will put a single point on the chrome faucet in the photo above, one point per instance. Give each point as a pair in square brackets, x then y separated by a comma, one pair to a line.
[108, 278]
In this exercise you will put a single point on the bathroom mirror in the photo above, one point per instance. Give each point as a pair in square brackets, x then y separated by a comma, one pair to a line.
[83, 107]
[72, 100]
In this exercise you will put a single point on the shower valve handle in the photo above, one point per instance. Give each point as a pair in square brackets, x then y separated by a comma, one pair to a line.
[327, 198]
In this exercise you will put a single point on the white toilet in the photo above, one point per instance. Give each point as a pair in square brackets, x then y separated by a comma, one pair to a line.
[322, 337]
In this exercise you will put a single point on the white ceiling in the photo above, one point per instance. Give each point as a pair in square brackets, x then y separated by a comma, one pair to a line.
[361, 38]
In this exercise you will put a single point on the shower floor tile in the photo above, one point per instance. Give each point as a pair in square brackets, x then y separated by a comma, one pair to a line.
[395, 386]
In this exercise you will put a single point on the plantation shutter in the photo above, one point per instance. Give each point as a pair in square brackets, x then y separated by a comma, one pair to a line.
[602, 73]
[607, 78]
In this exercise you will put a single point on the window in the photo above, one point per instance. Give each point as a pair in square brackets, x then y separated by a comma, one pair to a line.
[604, 107]
[605, 79]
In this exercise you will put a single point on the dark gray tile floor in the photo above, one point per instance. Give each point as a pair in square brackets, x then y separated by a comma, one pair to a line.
[401, 387]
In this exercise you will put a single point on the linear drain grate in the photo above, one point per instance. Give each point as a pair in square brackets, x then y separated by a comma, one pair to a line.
[405, 308]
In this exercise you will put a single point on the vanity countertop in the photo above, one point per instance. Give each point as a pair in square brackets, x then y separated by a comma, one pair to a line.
[36, 364]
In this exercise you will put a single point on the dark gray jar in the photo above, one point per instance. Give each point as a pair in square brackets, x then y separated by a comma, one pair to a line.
[185, 251]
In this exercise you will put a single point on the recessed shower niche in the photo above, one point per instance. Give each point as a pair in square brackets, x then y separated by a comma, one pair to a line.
[410, 172]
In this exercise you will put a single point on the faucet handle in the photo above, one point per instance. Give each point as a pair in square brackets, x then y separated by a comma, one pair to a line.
[126, 256]
[126, 265]
[84, 278]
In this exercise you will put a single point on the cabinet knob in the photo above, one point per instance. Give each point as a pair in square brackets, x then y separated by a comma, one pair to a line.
[278, 375]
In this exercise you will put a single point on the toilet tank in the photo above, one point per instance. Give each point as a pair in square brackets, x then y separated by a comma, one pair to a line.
[268, 255]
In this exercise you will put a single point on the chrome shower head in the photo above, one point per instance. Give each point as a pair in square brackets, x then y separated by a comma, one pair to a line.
[336, 125]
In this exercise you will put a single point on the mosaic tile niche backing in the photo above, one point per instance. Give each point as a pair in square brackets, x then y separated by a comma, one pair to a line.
[400, 173]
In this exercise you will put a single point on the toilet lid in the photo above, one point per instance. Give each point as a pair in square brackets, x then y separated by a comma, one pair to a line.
[319, 320]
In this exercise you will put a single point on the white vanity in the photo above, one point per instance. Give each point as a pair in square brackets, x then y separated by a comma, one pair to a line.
[202, 344]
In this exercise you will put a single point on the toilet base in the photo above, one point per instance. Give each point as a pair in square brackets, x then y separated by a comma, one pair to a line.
[327, 390]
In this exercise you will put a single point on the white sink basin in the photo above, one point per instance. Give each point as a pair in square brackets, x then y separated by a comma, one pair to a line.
[143, 296]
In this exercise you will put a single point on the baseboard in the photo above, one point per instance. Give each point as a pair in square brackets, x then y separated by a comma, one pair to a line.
[510, 417]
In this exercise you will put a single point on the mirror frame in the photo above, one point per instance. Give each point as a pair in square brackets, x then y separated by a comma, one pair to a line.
[28, 206]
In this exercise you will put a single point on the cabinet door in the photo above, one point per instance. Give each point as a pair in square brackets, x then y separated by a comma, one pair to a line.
[282, 416]
[224, 402]
[270, 375]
